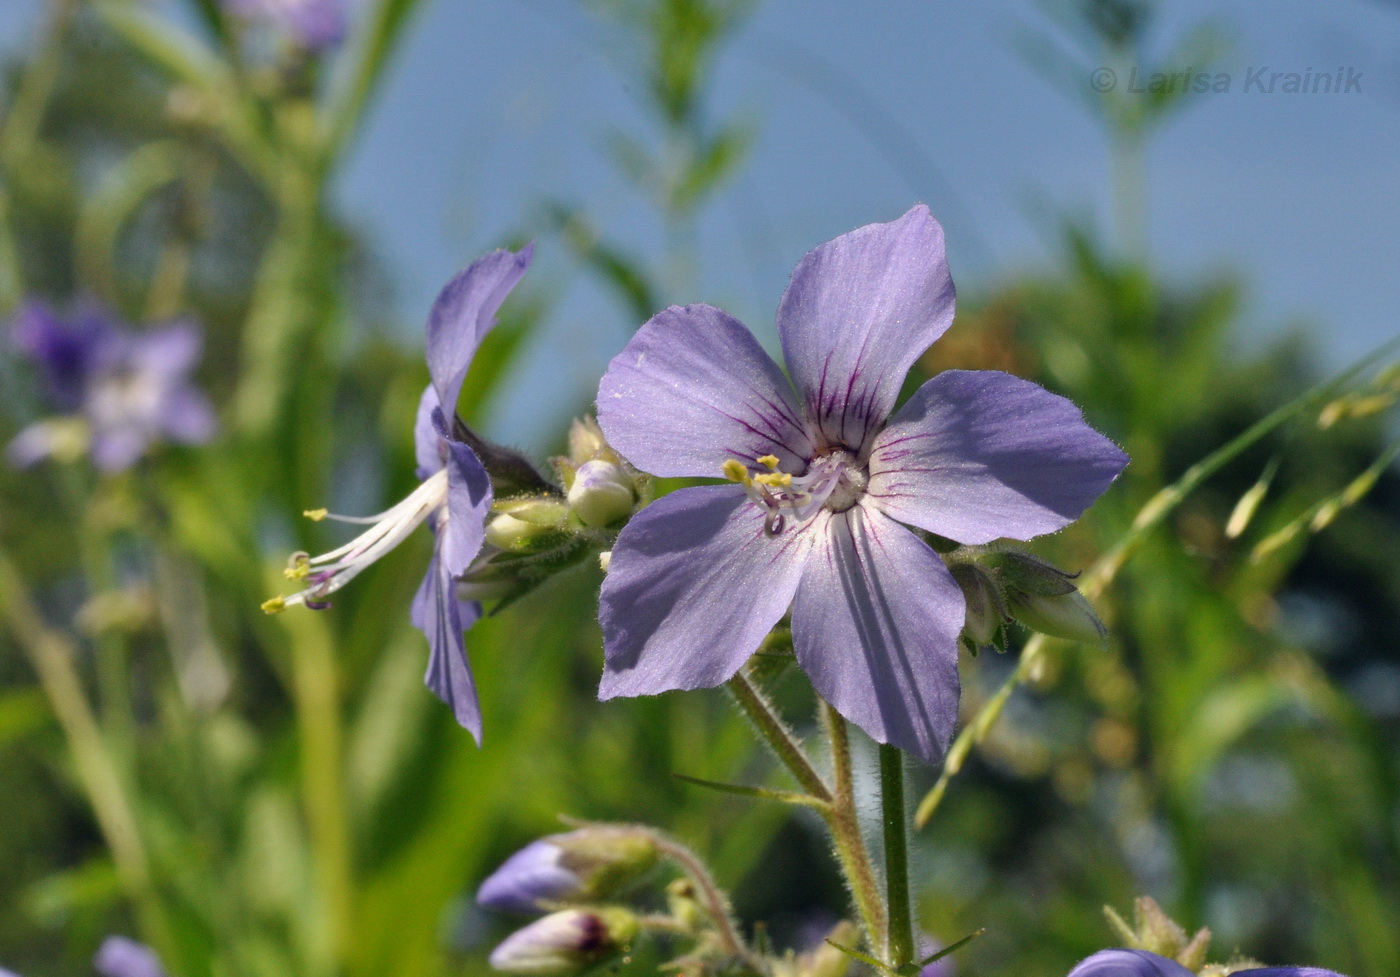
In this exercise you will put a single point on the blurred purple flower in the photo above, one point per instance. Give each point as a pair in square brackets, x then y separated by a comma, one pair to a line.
[534, 874]
[122, 957]
[454, 497]
[699, 577]
[316, 24]
[127, 390]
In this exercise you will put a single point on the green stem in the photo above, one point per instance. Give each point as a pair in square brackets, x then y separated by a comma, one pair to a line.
[52, 656]
[776, 734]
[844, 824]
[900, 943]
[712, 897]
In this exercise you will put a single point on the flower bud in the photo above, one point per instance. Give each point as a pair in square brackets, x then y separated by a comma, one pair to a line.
[601, 493]
[586, 864]
[1028, 574]
[566, 942]
[586, 440]
[986, 609]
[510, 532]
[1063, 615]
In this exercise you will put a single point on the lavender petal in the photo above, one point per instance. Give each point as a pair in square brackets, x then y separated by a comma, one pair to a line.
[1286, 972]
[692, 389]
[122, 957]
[693, 587]
[468, 506]
[442, 618]
[464, 313]
[979, 455]
[875, 626]
[533, 874]
[858, 312]
[1129, 963]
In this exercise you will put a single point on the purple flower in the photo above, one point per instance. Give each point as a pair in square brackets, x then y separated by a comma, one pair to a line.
[454, 497]
[120, 391]
[121, 957]
[1141, 963]
[315, 24]
[699, 577]
[566, 942]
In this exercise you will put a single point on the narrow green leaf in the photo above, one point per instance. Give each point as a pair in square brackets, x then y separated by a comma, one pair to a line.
[765, 793]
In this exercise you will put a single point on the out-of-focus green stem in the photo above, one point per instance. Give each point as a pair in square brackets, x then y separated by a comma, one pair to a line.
[316, 693]
[844, 822]
[36, 85]
[52, 656]
[899, 942]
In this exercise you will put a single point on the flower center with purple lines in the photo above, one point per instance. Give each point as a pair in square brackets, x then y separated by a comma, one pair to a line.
[835, 481]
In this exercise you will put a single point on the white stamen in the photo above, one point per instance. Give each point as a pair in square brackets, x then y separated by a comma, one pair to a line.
[391, 527]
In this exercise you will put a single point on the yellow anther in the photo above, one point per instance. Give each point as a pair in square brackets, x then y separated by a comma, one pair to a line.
[298, 567]
[275, 605]
[774, 479]
[769, 462]
[735, 471]
[316, 515]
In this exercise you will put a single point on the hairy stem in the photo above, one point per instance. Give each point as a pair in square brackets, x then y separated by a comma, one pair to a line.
[712, 897]
[844, 824]
[776, 734]
[899, 949]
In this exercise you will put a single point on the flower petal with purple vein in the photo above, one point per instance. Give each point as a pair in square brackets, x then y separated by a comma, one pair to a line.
[694, 587]
[875, 626]
[694, 389]
[858, 312]
[979, 455]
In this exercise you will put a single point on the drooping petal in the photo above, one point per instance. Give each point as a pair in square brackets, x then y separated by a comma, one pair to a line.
[464, 313]
[442, 618]
[122, 957]
[468, 506]
[693, 587]
[858, 311]
[1129, 963]
[875, 626]
[692, 389]
[1286, 972]
[979, 455]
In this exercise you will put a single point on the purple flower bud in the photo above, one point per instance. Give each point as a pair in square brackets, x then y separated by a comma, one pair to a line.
[566, 942]
[122, 957]
[315, 24]
[1129, 963]
[589, 863]
[601, 493]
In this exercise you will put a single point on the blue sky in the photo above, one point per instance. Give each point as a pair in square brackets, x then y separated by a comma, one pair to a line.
[497, 104]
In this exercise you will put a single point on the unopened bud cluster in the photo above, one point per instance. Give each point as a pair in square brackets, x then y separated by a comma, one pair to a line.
[1002, 585]
[569, 874]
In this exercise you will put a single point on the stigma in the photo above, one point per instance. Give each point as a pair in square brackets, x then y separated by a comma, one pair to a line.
[327, 573]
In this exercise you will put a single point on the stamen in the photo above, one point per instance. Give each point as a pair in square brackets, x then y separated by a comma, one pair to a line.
[315, 515]
[735, 471]
[769, 462]
[329, 572]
